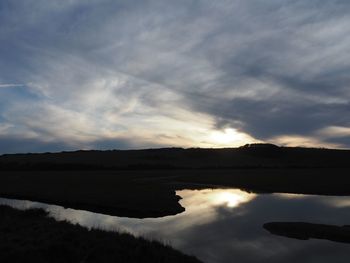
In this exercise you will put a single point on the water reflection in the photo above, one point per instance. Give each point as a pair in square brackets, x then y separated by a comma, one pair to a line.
[225, 225]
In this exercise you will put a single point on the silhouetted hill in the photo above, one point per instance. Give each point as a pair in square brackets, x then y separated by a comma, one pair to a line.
[248, 156]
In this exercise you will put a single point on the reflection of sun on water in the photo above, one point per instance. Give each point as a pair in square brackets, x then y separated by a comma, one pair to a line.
[232, 198]
[203, 206]
[211, 198]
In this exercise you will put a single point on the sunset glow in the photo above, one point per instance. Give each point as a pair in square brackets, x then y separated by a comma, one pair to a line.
[176, 74]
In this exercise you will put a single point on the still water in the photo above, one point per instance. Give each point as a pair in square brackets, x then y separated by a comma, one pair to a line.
[226, 225]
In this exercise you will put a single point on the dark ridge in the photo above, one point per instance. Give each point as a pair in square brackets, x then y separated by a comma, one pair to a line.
[259, 146]
[262, 150]
[248, 156]
[305, 231]
[31, 236]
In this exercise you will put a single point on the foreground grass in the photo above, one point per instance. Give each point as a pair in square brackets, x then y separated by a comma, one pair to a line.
[31, 236]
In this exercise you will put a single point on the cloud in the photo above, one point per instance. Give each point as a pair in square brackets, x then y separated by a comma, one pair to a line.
[10, 85]
[97, 70]
[11, 144]
[335, 132]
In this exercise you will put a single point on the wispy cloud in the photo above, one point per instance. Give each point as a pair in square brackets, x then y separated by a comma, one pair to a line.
[10, 85]
[175, 72]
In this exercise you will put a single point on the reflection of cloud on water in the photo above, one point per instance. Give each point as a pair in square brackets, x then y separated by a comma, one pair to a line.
[202, 205]
[290, 196]
[332, 201]
[22, 204]
[338, 202]
[225, 225]
[202, 208]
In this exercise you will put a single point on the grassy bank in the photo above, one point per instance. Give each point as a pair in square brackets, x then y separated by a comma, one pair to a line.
[30, 236]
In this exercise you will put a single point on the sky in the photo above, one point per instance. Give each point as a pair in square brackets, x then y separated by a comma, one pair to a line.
[112, 74]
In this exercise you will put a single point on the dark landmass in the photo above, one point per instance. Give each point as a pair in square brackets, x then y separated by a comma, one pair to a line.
[142, 183]
[31, 236]
[107, 192]
[248, 156]
[305, 231]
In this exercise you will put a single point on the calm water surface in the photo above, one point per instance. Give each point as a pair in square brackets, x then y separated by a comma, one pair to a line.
[225, 225]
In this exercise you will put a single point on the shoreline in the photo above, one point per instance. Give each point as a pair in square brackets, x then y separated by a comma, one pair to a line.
[31, 235]
[145, 194]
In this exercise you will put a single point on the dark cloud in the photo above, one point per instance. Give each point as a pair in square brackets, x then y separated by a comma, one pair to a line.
[29, 145]
[269, 118]
[268, 69]
[121, 144]
[13, 144]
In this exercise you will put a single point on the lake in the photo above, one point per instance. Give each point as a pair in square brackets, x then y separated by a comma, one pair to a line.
[226, 225]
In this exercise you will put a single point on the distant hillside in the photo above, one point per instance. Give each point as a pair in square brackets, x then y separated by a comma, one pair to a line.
[248, 156]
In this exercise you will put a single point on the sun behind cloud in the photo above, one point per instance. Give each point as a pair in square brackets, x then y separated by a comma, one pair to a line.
[229, 137]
